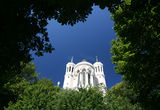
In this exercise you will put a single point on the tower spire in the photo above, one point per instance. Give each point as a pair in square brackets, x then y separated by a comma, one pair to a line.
[72, 59]
[96, 59]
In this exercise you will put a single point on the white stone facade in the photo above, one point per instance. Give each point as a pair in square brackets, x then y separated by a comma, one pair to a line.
[84, 74]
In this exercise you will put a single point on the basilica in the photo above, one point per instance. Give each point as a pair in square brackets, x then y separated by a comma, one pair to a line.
[83, 75]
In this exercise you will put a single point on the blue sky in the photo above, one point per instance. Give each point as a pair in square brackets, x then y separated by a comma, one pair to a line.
[83, 41]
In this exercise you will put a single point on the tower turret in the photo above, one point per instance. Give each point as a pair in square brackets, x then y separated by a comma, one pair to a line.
[99, 73]
[69, 74]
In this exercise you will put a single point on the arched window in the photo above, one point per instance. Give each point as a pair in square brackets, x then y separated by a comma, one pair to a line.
[98, 68]
[89, 79]
[83, 78]
[72, 69]
[69, 69]
[101, 69]
[83, 70]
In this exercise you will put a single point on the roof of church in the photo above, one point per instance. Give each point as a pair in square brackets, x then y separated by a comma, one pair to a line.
[83, 62]
[97, 63]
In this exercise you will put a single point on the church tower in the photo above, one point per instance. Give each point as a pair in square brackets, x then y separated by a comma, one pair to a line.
[84, 74]
[68, 76]
[99, 73]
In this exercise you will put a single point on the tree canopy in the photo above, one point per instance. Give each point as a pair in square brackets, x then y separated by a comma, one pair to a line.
[136, 48]
[43, 95]
[40, 95]
[16, 85]
[122, 97]
[83, 99]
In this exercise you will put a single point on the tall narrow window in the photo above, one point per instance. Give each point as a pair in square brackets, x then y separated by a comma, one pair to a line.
[78, 84]
[83, 78]
[101, 69]
[69, 69]
[89, 79]
[72, 69]
[98, 68]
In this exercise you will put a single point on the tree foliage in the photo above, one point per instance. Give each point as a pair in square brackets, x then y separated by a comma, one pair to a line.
[17, 84]
[83, 99]
[122, 97]
[43, 95]
[40, 95]
[136, 49]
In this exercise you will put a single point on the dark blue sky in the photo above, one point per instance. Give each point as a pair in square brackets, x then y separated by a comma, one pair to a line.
[83, 41]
